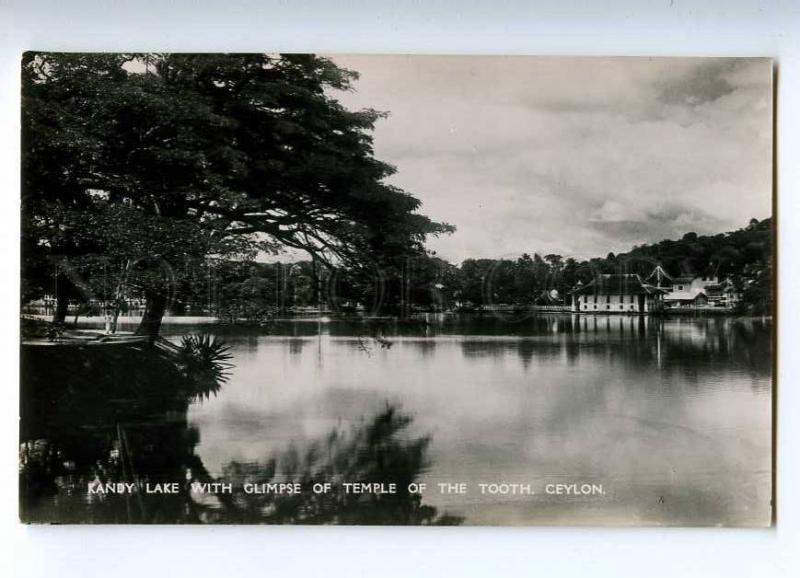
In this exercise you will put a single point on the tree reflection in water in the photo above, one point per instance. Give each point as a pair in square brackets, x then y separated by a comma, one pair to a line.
[97, 415]
[375, 452]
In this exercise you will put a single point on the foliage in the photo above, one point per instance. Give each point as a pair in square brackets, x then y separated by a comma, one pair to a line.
[40, 329]
[204, 362]
[431, 284]
[758, 290]
[156, 159]
[723, 255]
[148, 168]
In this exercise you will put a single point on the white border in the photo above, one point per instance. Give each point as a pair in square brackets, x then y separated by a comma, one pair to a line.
[669, 27]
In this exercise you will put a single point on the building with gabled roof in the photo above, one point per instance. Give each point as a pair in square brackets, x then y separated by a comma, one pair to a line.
[706, 291]
[625, 293]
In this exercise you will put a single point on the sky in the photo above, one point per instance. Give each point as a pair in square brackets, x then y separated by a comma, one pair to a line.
[575, 156]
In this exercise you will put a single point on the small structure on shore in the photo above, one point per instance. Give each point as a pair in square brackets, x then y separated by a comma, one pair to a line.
[687, 292]
[701, 292]
[625, 293]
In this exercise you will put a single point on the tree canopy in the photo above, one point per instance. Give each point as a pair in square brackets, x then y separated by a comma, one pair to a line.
[169, 157]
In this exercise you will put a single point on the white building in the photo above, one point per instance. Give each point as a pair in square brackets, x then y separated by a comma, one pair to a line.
[617, 294]
[703, 291]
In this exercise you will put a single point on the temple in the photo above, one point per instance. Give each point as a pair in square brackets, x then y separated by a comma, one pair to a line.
[617, 294]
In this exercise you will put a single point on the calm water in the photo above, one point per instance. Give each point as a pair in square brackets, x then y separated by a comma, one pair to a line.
[672, 417]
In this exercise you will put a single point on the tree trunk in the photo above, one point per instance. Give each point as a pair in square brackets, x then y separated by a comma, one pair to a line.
[119, 294]
[154, 309]
[62, 299]
[315, 292]
[180, 299]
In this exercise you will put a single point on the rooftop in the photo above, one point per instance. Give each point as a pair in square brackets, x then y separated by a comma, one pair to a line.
[627, 284]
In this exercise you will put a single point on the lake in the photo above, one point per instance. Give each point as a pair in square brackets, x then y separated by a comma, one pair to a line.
[598, 420]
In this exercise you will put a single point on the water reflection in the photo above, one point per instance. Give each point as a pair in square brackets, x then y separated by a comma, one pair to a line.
[686, 346]
[118, 415]
[667, 341]
[375, 453]
[105, 414]
[672, 416]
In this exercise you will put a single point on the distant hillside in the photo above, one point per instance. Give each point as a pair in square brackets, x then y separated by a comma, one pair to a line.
[255, 290]
[725, 254]
[744, 256]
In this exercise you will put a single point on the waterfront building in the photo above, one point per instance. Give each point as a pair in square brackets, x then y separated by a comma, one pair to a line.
[617, 294]
[699, 292]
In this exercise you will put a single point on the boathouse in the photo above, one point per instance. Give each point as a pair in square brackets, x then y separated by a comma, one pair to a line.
[617, 294]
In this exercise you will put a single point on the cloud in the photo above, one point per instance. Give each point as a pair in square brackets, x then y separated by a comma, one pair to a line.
[704, 83]
[578, 156]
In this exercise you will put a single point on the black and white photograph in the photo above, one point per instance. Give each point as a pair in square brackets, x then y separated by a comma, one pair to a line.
[343, 289]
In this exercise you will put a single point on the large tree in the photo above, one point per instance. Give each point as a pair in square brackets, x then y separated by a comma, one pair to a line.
[158, 159]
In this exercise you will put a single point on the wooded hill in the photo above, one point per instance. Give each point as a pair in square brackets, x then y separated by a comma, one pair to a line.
[430, 283]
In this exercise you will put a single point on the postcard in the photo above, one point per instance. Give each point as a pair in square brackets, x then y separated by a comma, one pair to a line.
[396, 290]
